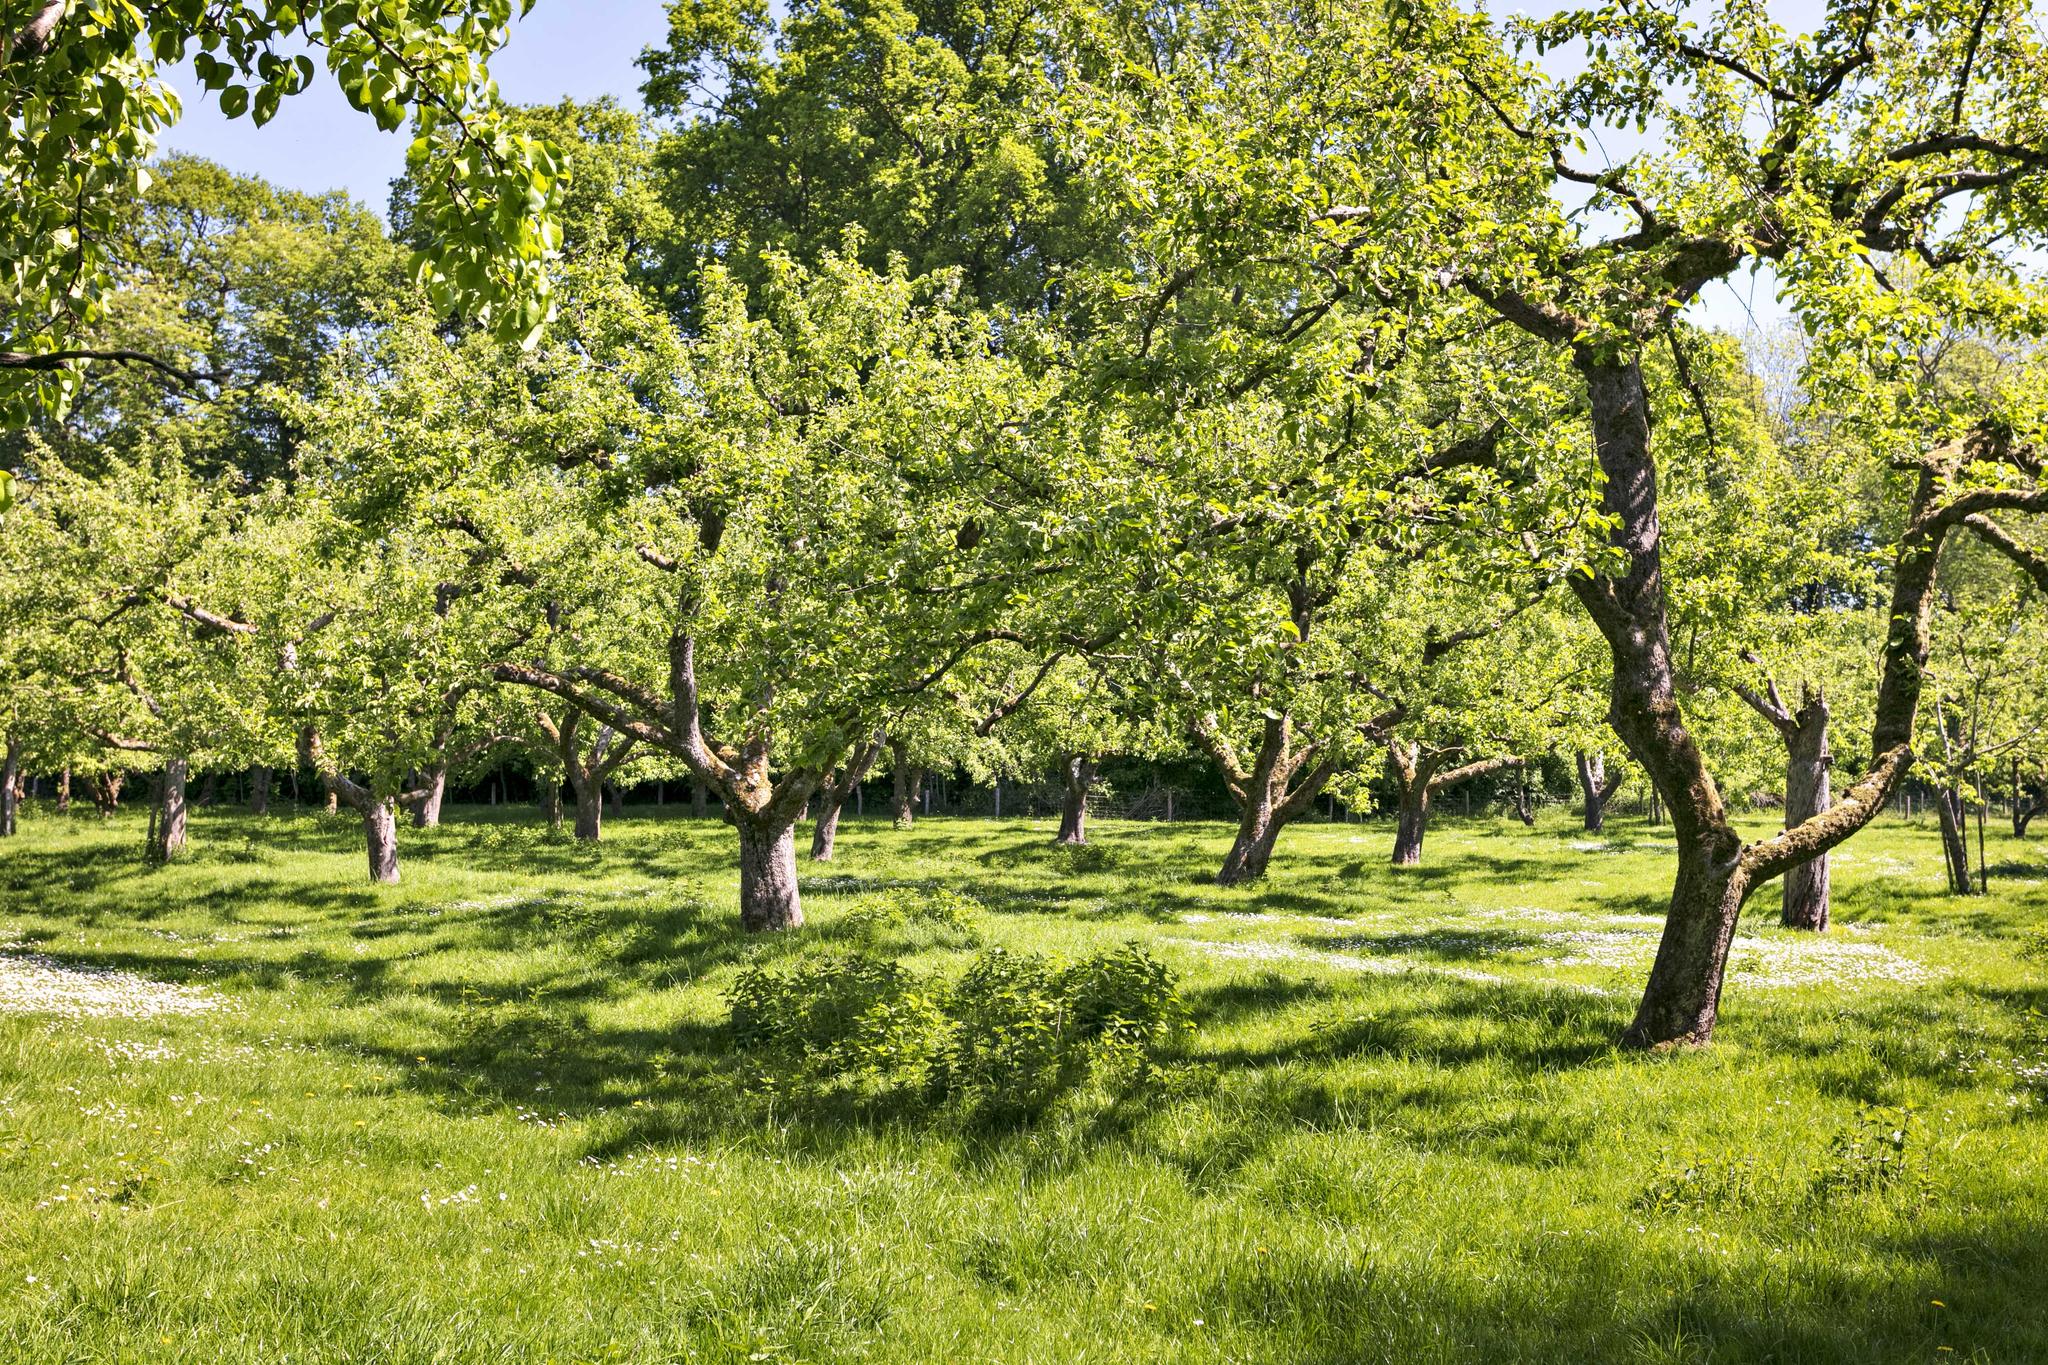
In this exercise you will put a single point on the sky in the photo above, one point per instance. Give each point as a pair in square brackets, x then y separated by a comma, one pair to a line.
[583, 49]
[576, 48]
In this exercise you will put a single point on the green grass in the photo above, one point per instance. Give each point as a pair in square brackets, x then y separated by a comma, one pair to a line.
[494, 1114]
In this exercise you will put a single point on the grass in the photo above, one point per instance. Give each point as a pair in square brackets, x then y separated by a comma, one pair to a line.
[494, 1114]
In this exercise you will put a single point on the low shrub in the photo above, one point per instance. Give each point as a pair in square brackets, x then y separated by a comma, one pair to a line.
[1005, 1040]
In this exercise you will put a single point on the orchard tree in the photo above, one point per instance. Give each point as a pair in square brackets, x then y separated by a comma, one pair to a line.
[152, 649]
[748, 549]
[1882, 141]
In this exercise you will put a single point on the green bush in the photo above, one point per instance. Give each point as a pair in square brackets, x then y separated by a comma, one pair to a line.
[851, 1021]
[1006, 1040]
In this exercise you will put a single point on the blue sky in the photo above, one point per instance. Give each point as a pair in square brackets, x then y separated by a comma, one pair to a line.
[317, 142]
[583, 49]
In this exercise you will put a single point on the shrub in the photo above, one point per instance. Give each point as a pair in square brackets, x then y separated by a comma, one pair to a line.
[848, 1021]
[1007, 1039]
[1010, 1049]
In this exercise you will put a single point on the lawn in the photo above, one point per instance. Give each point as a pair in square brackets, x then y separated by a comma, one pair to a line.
[497, 1113]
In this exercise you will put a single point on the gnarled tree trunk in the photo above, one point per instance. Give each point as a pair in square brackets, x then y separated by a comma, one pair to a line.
[1807, 761]
[589, 809]
[259, 790]
[1284, 779]
[167, 819]
[1418, 775]
[832, 794]
[1077, 773]
[906, 781]
[1524, 802]
[106, 793]
[380, 837]
[768, 890]
[1597, 788]
[1715, 870]
[426, 801]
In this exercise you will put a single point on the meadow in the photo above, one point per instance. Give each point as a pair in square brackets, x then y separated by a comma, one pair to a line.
[254, 1110]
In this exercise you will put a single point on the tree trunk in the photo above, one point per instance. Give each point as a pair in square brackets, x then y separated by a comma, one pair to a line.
[380, 831]
[259, 790]
[106, 794]
[768, 891]
[1076, 773]
[1525, 804]
[10, 802]
[426, 810]
[589, 808]
[209, 790]
[700, 799]
[1594, 788]
[825, 834]
[1258, 829]
[554, 805]
[1955, 843]
[1807, 794]
[167, 826]
[1412, 821]
[907, 782]
[64, 792]
[1683, 997]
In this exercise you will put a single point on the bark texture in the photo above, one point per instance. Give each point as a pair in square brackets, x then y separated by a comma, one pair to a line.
[1077, 774]
[1808, 760]
[167, 819]
[588, 765]
[1281, 783]
[380, 838]
[426, 801]
[832, 794]
[906, 780]
[768, 891]
[259, 790]
[1418, 775]
[1596, 788]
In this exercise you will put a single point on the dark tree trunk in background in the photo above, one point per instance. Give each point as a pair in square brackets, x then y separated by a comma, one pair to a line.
[380, 836]
[167, 819]
[843, 781]
[587, 770]
[589, 810]
[106, 793]
[700, 799]
[1955, 840]
[10, 801]
[259, 790]
[1418, 776]
[1597, 788]
[64, 792]
[907, 781]
[1077, 772]
[768, 890]
[1524, 801]
[554, 805]
[426, 802]
[1807, 761]
[1282, 782]
[2027, 800]
[1411, 821]
[209, 790]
